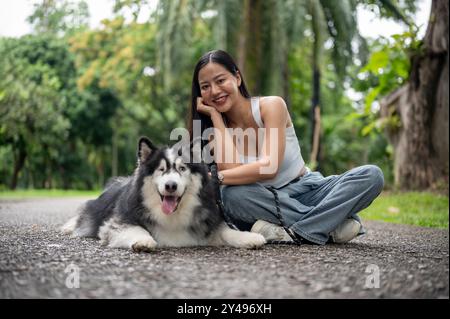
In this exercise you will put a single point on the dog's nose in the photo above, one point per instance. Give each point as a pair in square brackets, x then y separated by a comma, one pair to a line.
[171, 187]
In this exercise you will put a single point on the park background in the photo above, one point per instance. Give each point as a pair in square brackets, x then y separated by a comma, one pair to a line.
[75, 97]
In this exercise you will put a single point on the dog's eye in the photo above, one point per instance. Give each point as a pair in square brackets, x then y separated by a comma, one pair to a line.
[161, 169]
[182, 168]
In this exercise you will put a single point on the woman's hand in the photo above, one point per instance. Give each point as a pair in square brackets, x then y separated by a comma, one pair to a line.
[204, 108]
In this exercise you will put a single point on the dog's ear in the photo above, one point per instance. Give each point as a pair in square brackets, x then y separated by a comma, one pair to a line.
[145, 149]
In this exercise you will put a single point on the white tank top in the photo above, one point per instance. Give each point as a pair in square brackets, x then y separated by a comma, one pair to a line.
[292, 162]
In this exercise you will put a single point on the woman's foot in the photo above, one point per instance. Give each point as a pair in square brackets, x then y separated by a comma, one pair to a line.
[346, 231]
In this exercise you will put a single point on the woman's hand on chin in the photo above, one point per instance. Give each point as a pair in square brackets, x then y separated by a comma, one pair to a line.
[205, 109]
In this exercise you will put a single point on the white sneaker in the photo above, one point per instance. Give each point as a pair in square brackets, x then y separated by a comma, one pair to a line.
[271, 232]
[346, 231]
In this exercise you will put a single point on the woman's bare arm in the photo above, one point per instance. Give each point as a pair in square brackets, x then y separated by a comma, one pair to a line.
[274, 115]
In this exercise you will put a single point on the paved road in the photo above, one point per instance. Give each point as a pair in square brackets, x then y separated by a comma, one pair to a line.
[36, 261]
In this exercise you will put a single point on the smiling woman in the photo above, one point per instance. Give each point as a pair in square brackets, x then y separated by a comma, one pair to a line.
[309, 207]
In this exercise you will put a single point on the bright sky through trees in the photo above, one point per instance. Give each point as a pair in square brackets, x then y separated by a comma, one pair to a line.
[13, 14]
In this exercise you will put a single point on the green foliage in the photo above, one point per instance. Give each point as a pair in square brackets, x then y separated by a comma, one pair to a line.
[31, 109]
[402, 10]
[43, 116]
[75, 100]
[388, 66]
[386, 70]
[301, 88]
[58, 16]
[122, 59]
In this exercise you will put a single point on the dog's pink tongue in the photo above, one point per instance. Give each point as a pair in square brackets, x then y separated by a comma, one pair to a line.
[169, 204]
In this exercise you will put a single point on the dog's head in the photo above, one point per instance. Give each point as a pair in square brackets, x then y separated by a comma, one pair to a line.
[167, 176]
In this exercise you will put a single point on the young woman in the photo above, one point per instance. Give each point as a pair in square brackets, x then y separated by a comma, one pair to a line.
[271, 187]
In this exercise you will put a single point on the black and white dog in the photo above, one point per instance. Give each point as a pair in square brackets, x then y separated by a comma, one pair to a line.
[167, 202]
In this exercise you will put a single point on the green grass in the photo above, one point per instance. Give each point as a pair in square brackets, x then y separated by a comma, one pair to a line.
[413, 208]
[46, 193]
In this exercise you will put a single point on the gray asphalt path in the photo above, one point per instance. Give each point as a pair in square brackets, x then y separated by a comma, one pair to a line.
[37, 261]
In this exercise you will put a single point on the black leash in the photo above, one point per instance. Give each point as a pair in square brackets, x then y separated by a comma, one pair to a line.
[219, 201]
[295, 239]
[220, 205]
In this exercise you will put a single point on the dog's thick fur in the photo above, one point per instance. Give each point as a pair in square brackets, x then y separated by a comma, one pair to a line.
[166, 202]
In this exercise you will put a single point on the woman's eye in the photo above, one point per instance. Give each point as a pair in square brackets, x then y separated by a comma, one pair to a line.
[205, 87]
[220, 81]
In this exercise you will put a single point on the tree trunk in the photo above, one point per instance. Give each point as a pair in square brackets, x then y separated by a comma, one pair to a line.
[115, 151]
[314, 160]
[315, 121]
[317, 27]
[421, 144]
[19, 162]
[250, 45]
[285, 79]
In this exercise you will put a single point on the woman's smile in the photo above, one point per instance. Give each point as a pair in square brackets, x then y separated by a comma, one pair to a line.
[220, 101]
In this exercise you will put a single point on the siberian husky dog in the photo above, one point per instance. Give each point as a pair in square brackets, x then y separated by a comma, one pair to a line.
[167, 202]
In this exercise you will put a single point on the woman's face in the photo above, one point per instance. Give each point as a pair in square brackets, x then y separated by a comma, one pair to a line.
[218, 87]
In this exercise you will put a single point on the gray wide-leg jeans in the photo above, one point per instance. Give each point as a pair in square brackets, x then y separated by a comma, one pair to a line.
[312, 207]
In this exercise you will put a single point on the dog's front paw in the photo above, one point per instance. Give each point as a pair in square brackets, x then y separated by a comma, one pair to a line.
[147, 245]
[252, 241]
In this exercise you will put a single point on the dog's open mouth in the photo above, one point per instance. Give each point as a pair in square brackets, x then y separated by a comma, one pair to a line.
[169, 203]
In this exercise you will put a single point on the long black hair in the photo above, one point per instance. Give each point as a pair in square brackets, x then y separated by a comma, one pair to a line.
[224, 59]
